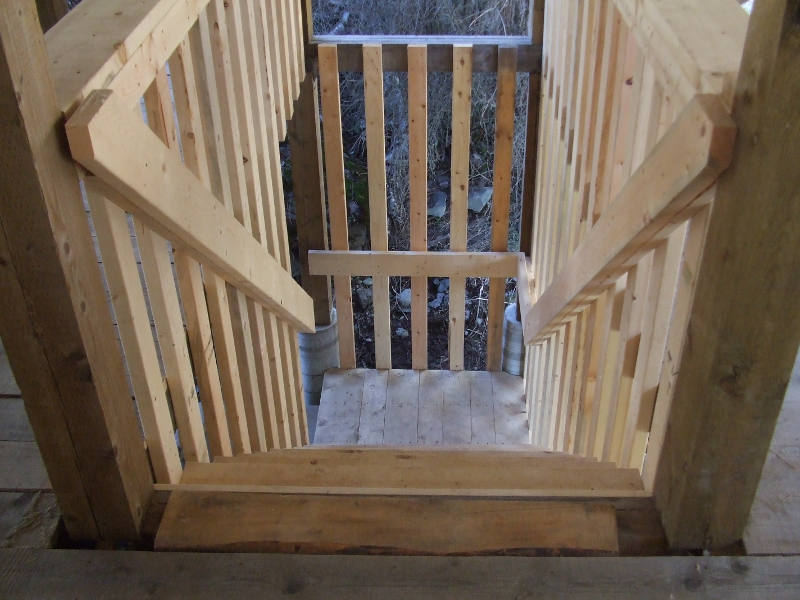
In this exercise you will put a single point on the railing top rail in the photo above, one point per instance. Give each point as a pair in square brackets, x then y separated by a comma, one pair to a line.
[100, 39]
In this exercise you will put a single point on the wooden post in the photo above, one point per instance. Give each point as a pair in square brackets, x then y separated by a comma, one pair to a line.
[744, 324]
[309, 194]
[531, 133]
[536, 9]
[55, 321]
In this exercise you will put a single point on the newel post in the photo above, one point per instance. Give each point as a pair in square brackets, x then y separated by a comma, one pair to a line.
[55, 322]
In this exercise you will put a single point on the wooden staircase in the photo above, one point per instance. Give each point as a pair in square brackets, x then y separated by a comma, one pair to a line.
[398, 501]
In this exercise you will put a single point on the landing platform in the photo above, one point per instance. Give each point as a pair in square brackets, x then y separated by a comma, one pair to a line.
[421, 408]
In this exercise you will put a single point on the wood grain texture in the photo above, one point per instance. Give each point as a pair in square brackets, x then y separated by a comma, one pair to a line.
[459, 190]
[98, 573]
[65, 357]
[236, 522]
[418, 195]
[741, 353]
[337, 205]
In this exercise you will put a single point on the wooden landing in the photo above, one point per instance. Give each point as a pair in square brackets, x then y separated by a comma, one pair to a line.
[421, 408]
[253, 522]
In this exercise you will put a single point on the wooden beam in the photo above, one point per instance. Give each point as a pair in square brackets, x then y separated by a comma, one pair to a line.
[197, 521]
[55, 322]
[744, 324]
[305, 142]
[207, 576]
[413, 264]
[440, 51]
[656, 199]
[115, 44]
[101, 132]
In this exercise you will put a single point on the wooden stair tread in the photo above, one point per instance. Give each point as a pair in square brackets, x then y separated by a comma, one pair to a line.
[253, 522]
[420, 473]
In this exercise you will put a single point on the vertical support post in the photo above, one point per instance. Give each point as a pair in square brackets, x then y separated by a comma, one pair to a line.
[744, 324]
[55, 321]
[309, 194]
[531, 134]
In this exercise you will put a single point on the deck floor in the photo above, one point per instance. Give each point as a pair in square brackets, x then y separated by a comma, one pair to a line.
[421, 408]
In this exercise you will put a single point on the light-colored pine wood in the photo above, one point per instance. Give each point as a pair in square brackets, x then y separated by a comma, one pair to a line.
[418, 193]
[164, 302]
[414, 471]
[501, 197]
[413, 263]
[702, 160]
[376, 171]
[206, 229]
[190, 276]
[119, 264]
[337, 206]
[257, 522]
[459, 189]
[211, 169]
[272, 55]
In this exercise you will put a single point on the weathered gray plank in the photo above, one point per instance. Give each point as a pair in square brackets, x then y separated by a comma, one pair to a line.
[481, 412]
[101, 574]
[510, 416]
[430, 426]
[340, 407]
[14, 424]
[456, 419]
[21, 467]
[373, 407]
[402, 402]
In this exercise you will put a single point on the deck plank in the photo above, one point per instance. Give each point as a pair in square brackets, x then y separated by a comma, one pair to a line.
[457, 422]
[481, 407]
[402, 408]
[340, 407]
[431, 410]
[424, 408]
[373, 407]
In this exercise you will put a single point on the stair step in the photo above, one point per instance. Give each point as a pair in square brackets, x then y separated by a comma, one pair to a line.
[252, 522]
[416, 473]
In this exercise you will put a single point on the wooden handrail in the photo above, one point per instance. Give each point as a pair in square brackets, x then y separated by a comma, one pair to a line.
[657, 198]
[411, 263]
[153, 183]
[485, 50]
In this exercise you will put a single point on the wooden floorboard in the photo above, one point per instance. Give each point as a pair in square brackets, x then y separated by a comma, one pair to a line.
[774, 526]
[425, 408]
[252, 522]
[99, 574]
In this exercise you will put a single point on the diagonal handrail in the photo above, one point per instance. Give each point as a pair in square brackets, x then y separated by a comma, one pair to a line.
[659, 196]
[153, 183]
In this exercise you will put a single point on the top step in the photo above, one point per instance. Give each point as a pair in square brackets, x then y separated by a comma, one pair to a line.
[416, 472]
